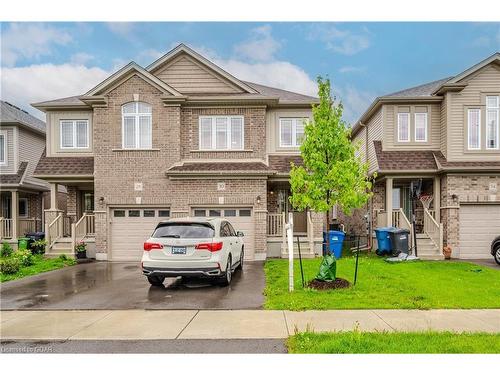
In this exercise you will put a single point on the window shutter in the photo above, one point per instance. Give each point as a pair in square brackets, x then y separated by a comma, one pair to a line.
[145, 134]
[221, 133]
[67, 134]
[206, 133]
[129, 132]
[286, 133]
[474, 135]
[236, 133]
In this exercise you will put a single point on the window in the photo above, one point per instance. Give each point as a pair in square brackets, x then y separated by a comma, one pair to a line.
[134, 213]
[214, 213]
[420, 127]
[200, 213]
[3, 149]
[291, 132]
[119, 213]
[163, 213]
[149, 213]
[136, 126]
[229, 213]
[221, 132]
[474, 129]
[403, 127]
[224, 230]
[492, 121]
[74, 133]
[231, 230]
[23, 207]
[245, 213]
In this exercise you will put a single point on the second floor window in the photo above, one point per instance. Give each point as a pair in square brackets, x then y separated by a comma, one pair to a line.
[137, 126]
[3, 149]
[291, 132]
[420, 127]
[492, 121]
[221, 132]
[74, 134]
[474, 129]
[403, 127]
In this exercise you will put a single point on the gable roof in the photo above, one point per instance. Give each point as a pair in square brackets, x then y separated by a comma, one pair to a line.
[182, 48]
[16, 178]
[12, 114]
[426, 89]
[493, 58]
[284, 95]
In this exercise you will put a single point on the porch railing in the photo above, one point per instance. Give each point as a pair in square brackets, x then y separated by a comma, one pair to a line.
[5, 228]
[400, 220]
[85, 227]
[274, 225]
[55, 230]
[381, 219]
[433, 229]
[29, 225]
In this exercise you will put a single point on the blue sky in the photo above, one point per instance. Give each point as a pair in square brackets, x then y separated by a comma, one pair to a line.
[43, 61]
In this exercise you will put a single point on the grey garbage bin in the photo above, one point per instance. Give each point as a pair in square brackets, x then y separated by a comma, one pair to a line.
[400, 239]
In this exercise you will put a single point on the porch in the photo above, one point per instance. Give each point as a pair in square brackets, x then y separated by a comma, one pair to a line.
[400, 209]
[20, 213]
[64, 229]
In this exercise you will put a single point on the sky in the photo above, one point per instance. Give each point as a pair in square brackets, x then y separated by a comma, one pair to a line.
[44, 61]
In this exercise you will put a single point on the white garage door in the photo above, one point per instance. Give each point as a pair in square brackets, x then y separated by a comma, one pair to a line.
[130, 227]
[479, 225]
[241, 218]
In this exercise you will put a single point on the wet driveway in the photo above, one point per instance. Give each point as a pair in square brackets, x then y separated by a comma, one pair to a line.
[107, 285]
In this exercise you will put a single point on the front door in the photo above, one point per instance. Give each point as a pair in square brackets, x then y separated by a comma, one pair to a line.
[299, 217]
[87, 202]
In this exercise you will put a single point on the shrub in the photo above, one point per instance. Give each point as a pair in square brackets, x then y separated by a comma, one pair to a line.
[25, 257]
[63, 257]
[10, 266]
[38, 247]
[80, 247]
[6, 250]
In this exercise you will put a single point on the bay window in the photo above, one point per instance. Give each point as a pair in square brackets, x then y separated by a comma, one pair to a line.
[74, 134]
[221, 133]
[474, 128]
[291, 131]
[403, 127]
[492, 121]
[137, 126]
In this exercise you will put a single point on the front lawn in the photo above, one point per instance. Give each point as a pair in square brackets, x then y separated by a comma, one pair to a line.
[41, 264]
[381, 285]
[395, 342]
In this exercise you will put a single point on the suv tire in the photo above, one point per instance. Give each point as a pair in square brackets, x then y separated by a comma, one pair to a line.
[156, 280]
[240, 264]
[225, 279]
[496, 255]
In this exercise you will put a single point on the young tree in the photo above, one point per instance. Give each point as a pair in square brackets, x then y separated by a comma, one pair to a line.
[331, 174]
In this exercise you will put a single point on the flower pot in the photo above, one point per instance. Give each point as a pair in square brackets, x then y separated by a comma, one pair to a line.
[81, 255]
[447, 252]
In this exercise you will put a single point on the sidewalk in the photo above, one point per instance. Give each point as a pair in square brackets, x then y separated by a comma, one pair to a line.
[231, 324]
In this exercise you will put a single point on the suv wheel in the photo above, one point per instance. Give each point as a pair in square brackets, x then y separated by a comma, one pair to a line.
[156, 280]
[497, 254]
[240, 265]
[225, 280]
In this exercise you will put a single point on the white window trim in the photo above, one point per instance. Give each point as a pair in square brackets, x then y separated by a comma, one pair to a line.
[295, 121]
[425, 129]
[409, 127]
[137, 115]
[27, 207]
[213, 121]
[468, 129]
[73, 122]
[3, 161]
[497, 109]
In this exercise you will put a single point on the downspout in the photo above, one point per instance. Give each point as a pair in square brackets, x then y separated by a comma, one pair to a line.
[370, 214]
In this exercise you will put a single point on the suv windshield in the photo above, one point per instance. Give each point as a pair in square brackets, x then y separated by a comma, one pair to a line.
[184, 230]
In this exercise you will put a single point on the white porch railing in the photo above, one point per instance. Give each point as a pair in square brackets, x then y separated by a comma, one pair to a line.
[55, 230]
[433, 229]
[85, 227]
[381, 219]
[400, 220]
[274, 225]
[29, 225]
[5, 228]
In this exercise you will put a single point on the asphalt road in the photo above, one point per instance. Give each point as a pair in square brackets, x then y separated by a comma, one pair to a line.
[112, 286]
[146, 346]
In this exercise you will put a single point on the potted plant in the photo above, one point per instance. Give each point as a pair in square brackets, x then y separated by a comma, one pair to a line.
[447, 252]
[38, 247]
[81, 250]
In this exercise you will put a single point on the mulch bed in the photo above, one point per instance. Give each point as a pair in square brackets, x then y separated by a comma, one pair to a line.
[339, 283]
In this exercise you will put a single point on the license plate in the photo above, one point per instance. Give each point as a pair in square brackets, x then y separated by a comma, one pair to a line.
[178, 249]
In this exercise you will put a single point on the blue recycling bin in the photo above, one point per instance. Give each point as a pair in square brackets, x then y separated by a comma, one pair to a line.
[336, 241]
[384, 239]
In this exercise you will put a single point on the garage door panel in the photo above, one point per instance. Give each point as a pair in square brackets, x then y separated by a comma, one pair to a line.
[479, 225]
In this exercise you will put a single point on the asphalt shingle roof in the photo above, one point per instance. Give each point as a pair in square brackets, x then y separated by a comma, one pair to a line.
[65, 166]
[220, 167]
[11, 113]
[404, 160]
[421, 90]
[16, 177]
[281, 163]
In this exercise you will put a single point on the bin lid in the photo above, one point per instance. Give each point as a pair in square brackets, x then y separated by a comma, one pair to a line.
[400, 230]
[337, 232]
[385, 229]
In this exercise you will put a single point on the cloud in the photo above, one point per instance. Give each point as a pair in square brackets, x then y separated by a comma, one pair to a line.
[261, 46]
[47, 82]
[81, 58]
[30, 41]
[352, 69]
[341, 41]
[123, 29]
[355, 101]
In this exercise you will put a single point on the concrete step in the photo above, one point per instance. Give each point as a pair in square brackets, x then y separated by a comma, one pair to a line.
[57, 254]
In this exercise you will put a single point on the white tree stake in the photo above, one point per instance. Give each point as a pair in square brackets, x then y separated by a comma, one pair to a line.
[289, 234]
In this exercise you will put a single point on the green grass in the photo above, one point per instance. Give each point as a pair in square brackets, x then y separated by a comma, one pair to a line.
[41, 265]
[356, 342]
[382, 285]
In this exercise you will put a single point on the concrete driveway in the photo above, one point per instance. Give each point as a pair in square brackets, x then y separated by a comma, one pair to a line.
[113, 286]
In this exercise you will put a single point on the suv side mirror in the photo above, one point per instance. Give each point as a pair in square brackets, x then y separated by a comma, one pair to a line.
[240, 234]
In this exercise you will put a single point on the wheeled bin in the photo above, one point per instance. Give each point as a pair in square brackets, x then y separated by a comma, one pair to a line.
[400, 239]
[384, 240]
[336, 239]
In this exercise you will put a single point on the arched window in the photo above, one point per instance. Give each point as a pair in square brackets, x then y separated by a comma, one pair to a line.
[136, 125]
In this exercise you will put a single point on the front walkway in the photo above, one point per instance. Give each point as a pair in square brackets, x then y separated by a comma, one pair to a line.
[231, 324]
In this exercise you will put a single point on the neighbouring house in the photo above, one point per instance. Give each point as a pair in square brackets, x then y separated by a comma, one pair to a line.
[446, 134]
[181, 137]
[22, 141]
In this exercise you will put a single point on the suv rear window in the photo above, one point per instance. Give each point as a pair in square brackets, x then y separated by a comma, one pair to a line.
[184, 230]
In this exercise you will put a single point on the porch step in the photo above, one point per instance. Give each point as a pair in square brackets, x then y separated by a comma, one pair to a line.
[305, 252]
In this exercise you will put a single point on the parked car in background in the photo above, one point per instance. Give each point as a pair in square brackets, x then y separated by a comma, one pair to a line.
[495, 249]
[200, 247]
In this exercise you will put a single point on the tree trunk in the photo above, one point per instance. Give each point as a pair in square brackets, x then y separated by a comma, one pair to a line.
[327, 247]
